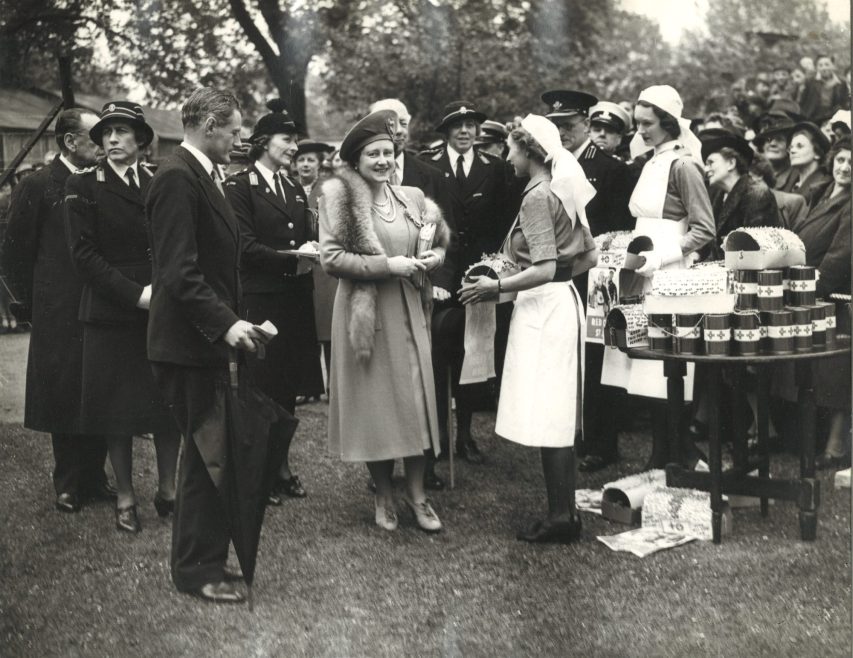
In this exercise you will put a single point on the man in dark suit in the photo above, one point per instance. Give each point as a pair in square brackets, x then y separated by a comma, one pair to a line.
[481, 212]
[608, 211]
[41, 275]
[194, 320]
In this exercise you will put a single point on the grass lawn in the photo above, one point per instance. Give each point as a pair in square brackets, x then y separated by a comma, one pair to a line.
[330, 584]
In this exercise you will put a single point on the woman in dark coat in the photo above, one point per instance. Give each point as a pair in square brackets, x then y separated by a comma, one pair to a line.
[807, 149]
[736, 198]
[274, 218]
[107, 235]
[826, 235]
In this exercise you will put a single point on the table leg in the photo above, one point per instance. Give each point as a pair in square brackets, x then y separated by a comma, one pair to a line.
[763, 403]
[740, 427]
[451, 447]
[715, 451]
[675, 372]
[806, 414]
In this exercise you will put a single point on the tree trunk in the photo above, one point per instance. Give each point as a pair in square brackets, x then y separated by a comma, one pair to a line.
[291, 88]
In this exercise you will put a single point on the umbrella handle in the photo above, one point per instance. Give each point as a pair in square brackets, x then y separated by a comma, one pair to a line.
[232, 368]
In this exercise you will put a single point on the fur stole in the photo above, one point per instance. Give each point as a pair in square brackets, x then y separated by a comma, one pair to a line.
[348, 201]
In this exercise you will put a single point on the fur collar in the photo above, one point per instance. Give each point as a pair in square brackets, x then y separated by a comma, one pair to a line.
[347, 200]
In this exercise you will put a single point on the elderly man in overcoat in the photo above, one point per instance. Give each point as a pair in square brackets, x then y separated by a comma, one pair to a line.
[41, 275]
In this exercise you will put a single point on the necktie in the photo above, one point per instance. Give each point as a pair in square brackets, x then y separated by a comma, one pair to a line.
[131, 179]
[460, 170]
[279, 192]
[214, 174]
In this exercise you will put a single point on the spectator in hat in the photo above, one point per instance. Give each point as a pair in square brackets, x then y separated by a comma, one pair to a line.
[792, 207]
[826, 93]
[607, 211]
[807, 150]
[274, 218]
[108, 240]
[608, 125]
[309, 156]
[783, 86]
[42, 277]
[479, 203]
[382, 401]
[492, 138]
[414, 172]
[772, 142]
[737, 200]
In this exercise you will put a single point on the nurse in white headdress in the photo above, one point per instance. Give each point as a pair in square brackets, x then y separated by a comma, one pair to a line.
[671, 204]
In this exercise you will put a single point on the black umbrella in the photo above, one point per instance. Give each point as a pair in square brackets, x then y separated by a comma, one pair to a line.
[234, 443]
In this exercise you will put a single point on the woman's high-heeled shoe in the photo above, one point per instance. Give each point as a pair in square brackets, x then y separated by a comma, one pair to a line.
[425, 515]
[127, 520]
[385, 517]
[164, 506]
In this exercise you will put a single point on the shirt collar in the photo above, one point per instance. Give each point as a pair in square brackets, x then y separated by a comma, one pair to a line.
[453, 154]
[267, 173]
[533, 182]
[73, 169]
[121, 170]
[580, 149]
[204, 161]
[671, 145]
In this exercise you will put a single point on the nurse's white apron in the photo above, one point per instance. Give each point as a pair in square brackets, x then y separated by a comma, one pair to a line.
[645, 378]
[542, 386]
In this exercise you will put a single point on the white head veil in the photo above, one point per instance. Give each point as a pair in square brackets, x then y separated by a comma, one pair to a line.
[667, 99]
[568, 180]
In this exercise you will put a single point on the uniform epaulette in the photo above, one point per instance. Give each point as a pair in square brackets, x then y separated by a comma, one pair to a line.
[435, 157]
[589, 152]
[87, 170]
[149, 167]
[289, 181]
[487, 158]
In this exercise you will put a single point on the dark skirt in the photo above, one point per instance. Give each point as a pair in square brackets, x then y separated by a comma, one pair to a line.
[119, 392]
[291, 364]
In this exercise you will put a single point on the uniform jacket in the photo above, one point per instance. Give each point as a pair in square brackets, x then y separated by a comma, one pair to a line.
[346, 213]
[195, 249]
[38, 265]
[268, 226]
[479, 211]
[749, 203]
[613, 183]
[108, 239]
[826, 234]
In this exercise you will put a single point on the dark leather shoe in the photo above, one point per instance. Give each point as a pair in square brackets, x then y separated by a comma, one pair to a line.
[232, 574]
[103, 491]
[291, 487]
[545, 532]
[127, 519]
[592, 463]
[164, 506]
[68, 503]
[432, 481]
[221, 592]
[470, 453]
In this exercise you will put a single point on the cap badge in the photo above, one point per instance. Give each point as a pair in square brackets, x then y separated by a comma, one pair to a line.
[391, 124]
[557, 106]
[112, 107]
[463, 110]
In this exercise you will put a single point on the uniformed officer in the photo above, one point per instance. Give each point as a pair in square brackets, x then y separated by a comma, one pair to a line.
[608, 123]
[492, 138]
[108, 240]
[608, 211]
[480, 216]
[275, 219]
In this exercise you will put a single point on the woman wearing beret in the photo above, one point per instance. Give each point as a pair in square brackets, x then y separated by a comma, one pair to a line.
[807, 149]
[672, 207]
[275, 218]
[108, 239]
[737, 199]
[382, 398]
[540, 403]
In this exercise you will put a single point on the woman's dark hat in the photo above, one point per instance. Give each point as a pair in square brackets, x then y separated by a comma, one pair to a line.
[566, 103]
[459, 110]
[821, 140]
[122, 111]
[773, 125]
[310, 146]
[714, 139]
[275, 123]
[378, 125]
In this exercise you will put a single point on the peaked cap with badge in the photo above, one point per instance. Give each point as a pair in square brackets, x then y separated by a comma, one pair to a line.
[459, 111]
[277, 122]
[126, 112]
[564, 103]
[610, 115]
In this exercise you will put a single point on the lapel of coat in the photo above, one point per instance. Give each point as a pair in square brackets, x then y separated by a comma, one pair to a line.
[215, 198]
[825, 207]
[443, 164]
[733, 200]
[265, 192]
[115, 185]
[478, 172]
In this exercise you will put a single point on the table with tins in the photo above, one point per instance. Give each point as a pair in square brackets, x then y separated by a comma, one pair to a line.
[803, 490]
